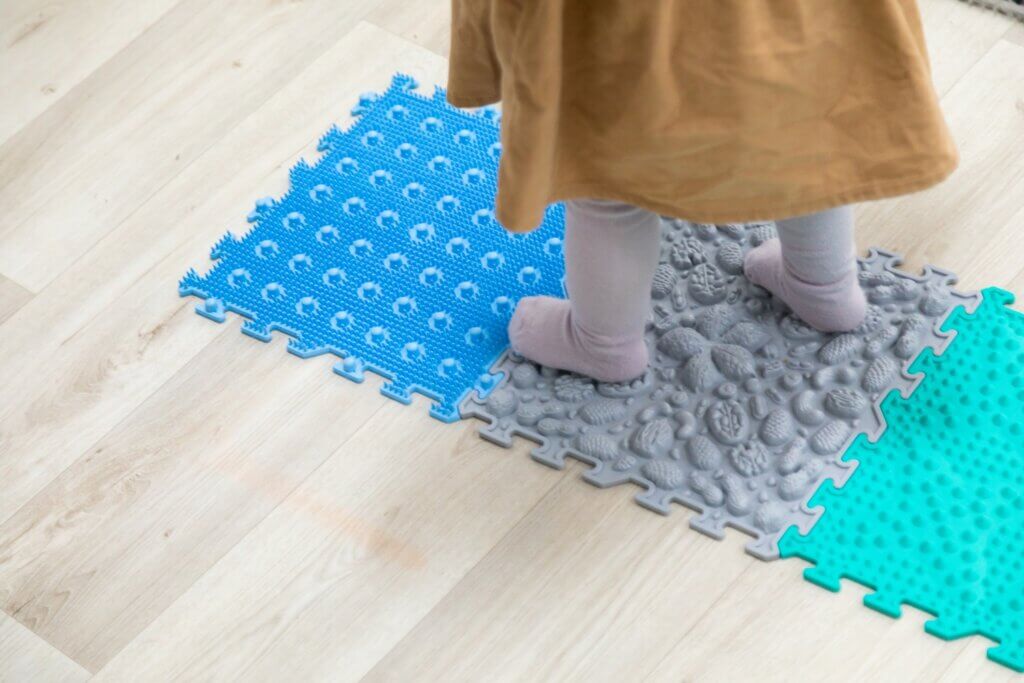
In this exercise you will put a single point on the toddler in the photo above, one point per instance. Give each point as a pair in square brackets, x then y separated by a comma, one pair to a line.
[715, 111]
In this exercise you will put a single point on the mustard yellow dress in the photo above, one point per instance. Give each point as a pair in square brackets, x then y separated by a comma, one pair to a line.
[710, 110]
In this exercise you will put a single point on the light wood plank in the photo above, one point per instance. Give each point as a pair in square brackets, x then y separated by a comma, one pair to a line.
[972, 665]
[953, 224]
[424, 22]
[958, 35]
[146, 114]
[303, 597]
[1016, 285]
[127, 528]
[63, 393]
[588, 586]
[111, 330]
[24, 656]
[12, 297]
[773, 626]
[1001, 264]
[168, 445]
[48, 48]
[1016, 33]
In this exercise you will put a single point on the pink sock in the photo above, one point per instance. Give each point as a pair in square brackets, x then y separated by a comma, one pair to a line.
[611, 253]
[812, 266]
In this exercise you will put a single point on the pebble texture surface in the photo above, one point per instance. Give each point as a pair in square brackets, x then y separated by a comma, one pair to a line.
[745, 409]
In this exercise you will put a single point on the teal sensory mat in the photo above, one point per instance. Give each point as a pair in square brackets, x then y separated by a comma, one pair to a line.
[933, 515]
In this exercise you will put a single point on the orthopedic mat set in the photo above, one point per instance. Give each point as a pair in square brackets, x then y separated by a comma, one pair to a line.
[891, 455]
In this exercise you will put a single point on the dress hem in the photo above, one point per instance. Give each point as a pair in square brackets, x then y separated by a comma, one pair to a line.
[737, 212]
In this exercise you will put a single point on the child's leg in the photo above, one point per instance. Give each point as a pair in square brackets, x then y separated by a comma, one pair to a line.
[611, 253]
[812, 266]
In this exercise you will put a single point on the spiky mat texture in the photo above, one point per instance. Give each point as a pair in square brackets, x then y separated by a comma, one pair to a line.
[386, 253]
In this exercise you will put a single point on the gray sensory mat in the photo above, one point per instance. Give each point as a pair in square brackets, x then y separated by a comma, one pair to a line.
[745, 409]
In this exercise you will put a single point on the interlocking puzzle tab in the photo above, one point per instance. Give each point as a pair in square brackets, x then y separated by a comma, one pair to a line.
[386, 252]
[933, 516]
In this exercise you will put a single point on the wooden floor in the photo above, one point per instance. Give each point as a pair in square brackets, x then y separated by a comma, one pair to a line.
[179, 501]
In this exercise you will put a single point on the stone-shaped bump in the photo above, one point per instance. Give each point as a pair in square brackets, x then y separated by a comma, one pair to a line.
[749, 458]
[734, 361]
[706, 488]
[681, 343]
[879, 374]
[706, 284]
[602, 411]
[830, 438]
[599, 446]
[652, 439]
[730, 258]
[699, 373]
[703, 453]
[839, 349]
[845, 403]
[687, 253]
[728, 422]
[749, 335]
[664, 474]
[665, 279]
[778, 428]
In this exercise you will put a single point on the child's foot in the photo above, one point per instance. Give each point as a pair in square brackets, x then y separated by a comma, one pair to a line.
[542, 330]
[836, 306]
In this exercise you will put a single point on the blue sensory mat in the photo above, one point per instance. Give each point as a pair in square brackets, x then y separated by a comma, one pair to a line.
[386, 252]
[933, 515]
